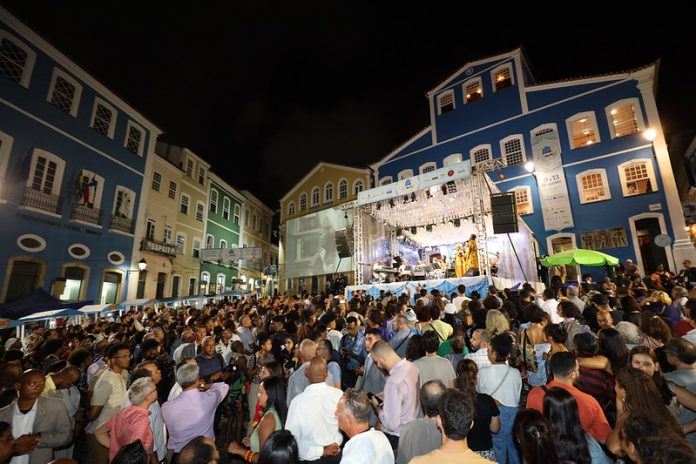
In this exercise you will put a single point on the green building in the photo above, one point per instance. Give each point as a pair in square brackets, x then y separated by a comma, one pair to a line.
[222, 231]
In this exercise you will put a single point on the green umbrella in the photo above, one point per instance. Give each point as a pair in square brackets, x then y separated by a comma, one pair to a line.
[579, 256]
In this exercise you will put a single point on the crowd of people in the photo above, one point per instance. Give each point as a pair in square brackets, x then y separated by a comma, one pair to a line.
[585, 374]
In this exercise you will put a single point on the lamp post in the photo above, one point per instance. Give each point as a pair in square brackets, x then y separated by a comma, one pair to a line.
[142, 265]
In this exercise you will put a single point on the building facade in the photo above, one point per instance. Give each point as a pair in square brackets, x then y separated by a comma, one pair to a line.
[597, 182]
[222, 231]
[257, 222]
[325, 187]
[72, 161]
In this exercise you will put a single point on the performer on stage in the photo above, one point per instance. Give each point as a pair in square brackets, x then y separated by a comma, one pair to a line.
[472, 264]
[459, 260]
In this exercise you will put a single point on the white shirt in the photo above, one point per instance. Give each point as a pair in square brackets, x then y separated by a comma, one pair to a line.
[369, 446]
[457, 301]
[690, 336]
[226, 350]
[312, 420]
[175, 392]
[480, 357]
[492, 380]
[298, 382]
[22, 424]
[550, 307]
[108, 393]
[335, 338]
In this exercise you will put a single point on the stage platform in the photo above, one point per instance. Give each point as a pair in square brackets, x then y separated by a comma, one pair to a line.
[445, 286]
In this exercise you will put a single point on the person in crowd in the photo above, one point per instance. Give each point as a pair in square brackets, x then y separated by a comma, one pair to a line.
[647, 440]
[255, 363]
[414, 348]
[399, 402]
[656, 332]
[6, 442]
[535, 438]
[565, 370]
[487, 414]
[298, 380]
[109, 392]
[364, 444]
[681, 354]
[192, 413]
[176, 388]
[245, 334]
[187, 348]
[480, 340]
[534, 345]
[454, 419]
[504, 384]
[280, 448]
[441, 328]
[431, 366]
[132, 453]
[550, 306]
[312, 416]
[686, 327]
[402, 333]
[39, 424]
[372, 378]
[353, 352]
[461, 298]
[421, 436]
[199, 450]
[130, 423]
[660, 303]
[224, 346]
[572, 443]
[662, 280]
[272, 400]
[598, 382]
[211, 364]
[630, 334]
[572, 291]
[324, 349]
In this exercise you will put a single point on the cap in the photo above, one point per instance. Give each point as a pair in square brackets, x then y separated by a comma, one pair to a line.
[411, 316]
[10, 342]
[450, 308]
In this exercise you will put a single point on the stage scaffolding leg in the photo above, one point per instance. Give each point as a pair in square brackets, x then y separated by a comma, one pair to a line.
[358, 245]
[479, 192]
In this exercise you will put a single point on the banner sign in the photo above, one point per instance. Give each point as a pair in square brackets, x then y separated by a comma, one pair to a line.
[158, 247]
[415, 183]
[604, 239]
[553, 190]
[227, 255]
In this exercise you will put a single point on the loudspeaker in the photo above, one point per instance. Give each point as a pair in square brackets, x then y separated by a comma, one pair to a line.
[504, 211]
[343, 245]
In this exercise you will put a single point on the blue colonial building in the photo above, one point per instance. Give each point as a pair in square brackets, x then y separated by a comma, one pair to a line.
[72, 158]
[596, 182]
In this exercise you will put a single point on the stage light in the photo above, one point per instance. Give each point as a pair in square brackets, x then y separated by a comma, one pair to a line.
[444, 189]
[414, 230]
[451, 187]
[379, 205]
[427, 192]
[405, 199]
[413, 197]
[391, 202]
[429, 228]
[466, 219]
[457, 223]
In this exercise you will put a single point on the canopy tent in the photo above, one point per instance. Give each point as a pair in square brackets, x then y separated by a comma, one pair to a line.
[580, 256]
[137, 302]
[37, 301]
[44, 315]
[98, 309]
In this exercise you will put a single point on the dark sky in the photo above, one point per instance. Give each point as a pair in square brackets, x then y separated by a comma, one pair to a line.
[264, 89]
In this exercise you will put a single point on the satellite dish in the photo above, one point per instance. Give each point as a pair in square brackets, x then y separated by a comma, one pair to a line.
[663, 240]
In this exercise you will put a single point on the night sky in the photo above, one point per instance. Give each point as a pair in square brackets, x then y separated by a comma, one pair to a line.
[264, 90]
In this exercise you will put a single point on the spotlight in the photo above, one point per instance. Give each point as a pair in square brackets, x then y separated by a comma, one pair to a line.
[444, 189]
[451, 187]
[457, 223]
[414, 230]
[429, 228]
[391, 202]
[405, 199]
[427, 192]
[413, 197]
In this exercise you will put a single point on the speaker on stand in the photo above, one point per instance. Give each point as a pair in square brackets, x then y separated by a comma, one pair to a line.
[504, 212]
[343, 243]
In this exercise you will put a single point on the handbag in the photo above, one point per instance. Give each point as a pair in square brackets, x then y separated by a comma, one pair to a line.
[528, 355]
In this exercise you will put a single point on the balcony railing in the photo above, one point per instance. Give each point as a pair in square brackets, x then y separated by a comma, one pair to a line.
[40, 200]
[122, 224]
[86, 214]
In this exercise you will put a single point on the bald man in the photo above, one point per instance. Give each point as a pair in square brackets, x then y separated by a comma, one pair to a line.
[199, 450]
[40, 424]
[298, 380]
[61, 380]
[312, 417]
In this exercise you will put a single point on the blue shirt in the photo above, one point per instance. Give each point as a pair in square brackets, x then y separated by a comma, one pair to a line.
[355, 345]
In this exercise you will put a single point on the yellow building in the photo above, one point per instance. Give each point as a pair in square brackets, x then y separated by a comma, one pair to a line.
[257, 229]
[325, 187]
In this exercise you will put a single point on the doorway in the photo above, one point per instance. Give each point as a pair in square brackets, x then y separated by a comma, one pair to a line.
[74, 278]
[161, 278]
[176, 282]
[24, 279]
[563, 242]
[652, 255]
[110, 286]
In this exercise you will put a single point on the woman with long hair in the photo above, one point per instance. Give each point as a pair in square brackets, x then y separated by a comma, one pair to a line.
[280, 448]
[572, 443]
[533, 346]
[534, 438]
[636, 391]
[273, 400]
[656, 332]
[487, 415]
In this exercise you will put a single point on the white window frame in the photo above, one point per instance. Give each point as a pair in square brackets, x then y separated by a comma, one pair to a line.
[223, 243]
[605, 184]
[196, 245]
[60, 169]
[100, 186]
[640, 123]
[237, 214]
[507, 139]
[497, 70]
[150, 225]
[303, 201]
[201, 173]
[291, 208]
[210, 239]
[341, 182]
[454, 158]
[112, 123]
[528, 189]
[355, 186]
[74, 105]
[386, 180]
[424, 166]
[439, 101]
[6, 142]
[188, 203]
[226, 204]
[651, 175]
[205, 277]
[213, 200]
[169, 190]
[168, 230]
[404, 174]
[159, 182]
[189, 162]
[544, 127]
[486, 146]
[469, 82]
[176, 243]
[315, 199]
[200, 206]
[141, 145]
[328, 192]
[585, 114]
[31, 57]
[127, 191]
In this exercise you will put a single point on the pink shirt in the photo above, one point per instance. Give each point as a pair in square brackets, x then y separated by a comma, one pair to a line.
[129, 424]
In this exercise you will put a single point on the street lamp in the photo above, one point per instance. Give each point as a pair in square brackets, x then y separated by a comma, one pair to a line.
[650, 135]
[142, 264]
[529, 167]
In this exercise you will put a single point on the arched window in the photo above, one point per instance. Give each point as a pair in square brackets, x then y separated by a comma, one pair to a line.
[523, 199]
[593, 186]
[637, 177]
[512, 149]
[582, 129]
[625, 117]
[343, 189]
[315, 196]
[328, 192]
[291, 208]
[454, 158]
[480, 154]
[303, 201]
[405, 174]
[427, 167]
[357, 187]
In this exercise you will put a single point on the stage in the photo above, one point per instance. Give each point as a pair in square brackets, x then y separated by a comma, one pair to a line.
[445, 286]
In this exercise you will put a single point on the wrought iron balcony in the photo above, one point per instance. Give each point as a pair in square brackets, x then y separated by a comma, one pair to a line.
[86, 214]
[40, 200]
[122, 224]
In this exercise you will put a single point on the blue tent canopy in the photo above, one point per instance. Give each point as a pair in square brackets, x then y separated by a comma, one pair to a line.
[37, 301]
